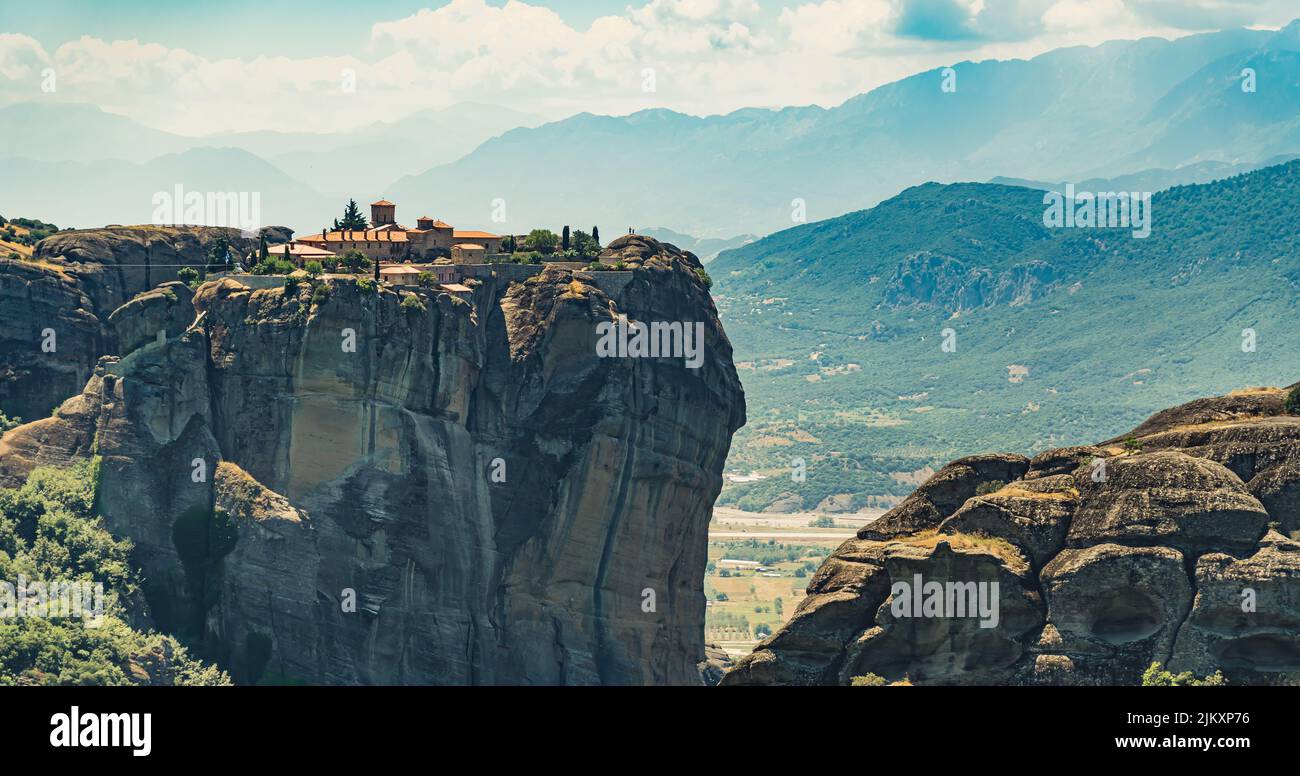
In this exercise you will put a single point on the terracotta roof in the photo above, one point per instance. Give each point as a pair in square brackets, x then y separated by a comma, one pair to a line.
[383, 202]
[455, 288]
[351, 235]
[469, 246]
[296, 249]
[472, 233]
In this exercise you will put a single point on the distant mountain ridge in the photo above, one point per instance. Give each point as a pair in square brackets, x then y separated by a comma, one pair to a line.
[77, 164]
[949, 320]
[707, 249]
[1082, 112]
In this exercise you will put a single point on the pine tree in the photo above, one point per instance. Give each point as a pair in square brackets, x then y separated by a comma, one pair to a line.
[352, 218]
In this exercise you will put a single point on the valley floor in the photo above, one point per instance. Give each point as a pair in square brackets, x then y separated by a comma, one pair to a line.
[759, 567]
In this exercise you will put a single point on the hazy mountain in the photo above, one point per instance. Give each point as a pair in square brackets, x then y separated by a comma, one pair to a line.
[1078, 112]
[71, 159]
[79, 132]
[1155, 179]
[1058, 336]
[388, 151]
[706, 249]
[91, 194]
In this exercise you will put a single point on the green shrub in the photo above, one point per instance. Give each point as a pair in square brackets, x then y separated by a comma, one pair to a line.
[7, 423]
[273, 266]
[704, 278]
[1156, 676]
[1293, 401]
[49, 531]
[367, 286]
[320, 294]
[868, 680]
[412, 302]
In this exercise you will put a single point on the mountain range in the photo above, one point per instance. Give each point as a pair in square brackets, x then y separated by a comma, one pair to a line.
[1078, 112]
[78, 165]
[1068, 114]
[949, 320]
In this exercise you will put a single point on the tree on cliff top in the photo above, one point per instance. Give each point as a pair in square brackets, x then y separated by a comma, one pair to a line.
[541, 240]
[352, 218]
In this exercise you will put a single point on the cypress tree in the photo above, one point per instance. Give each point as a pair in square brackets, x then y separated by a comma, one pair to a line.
[564, 240]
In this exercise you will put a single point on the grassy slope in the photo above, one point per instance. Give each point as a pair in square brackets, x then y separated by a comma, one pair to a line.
[1131, 327]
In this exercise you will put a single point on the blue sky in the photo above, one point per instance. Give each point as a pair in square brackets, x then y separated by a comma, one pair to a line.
[198, 68]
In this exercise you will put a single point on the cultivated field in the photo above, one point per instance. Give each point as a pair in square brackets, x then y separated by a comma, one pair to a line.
[759, 567]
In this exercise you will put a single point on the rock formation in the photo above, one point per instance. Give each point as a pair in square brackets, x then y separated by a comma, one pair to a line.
[54, 308]
[1171, 544]
[403, 486]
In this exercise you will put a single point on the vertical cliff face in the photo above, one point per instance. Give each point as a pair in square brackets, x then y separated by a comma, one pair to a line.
[421, 488]
[73, 281]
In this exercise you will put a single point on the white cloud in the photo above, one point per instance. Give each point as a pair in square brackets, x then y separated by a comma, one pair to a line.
[836, 26]
[709, 56]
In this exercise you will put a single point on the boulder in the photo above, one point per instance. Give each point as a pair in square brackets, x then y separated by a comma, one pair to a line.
[156, 315]
[1167, 498]
[1112, 610]
[1032, 514]
[944, 493]
[1246, 617]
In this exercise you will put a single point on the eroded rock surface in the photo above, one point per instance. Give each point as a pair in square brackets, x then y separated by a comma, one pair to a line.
[467, 495]
[54, 308]
[1170, 544]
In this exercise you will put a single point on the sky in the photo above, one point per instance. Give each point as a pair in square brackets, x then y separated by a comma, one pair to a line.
[328, 65]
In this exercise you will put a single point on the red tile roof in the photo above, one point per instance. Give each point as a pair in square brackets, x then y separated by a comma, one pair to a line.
[472, 233]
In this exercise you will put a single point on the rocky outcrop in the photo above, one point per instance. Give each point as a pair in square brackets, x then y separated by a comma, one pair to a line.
[54, 308]
[416, 488]
[935, 280]
[159, 314]
[1169, 544]
[944, 493]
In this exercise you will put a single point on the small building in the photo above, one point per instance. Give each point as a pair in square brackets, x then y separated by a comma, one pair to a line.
[404, 274]
[444, 271]
[468, 253]
[300, 253]
[457, 289]
[491, 242]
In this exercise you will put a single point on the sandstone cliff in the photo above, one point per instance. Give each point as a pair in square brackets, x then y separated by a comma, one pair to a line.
[73, 282]
[1170, 544]
[470, 496]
